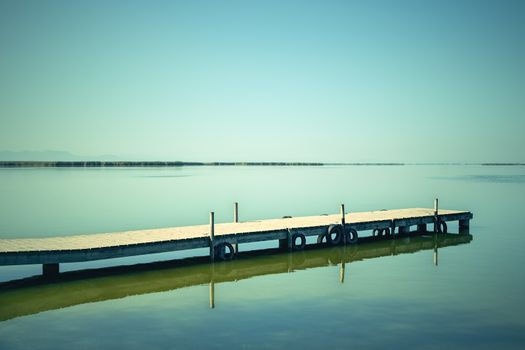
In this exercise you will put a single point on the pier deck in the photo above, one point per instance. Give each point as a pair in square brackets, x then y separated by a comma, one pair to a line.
[79, 248]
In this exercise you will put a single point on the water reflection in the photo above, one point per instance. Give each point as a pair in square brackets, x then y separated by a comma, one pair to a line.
[497, 179]
[33, 295]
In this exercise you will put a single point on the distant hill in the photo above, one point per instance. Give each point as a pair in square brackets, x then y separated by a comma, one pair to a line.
[51, 156]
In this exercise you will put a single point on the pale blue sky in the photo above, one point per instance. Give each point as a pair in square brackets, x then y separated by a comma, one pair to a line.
[333, 81]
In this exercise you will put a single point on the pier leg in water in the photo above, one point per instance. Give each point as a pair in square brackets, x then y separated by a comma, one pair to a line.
[343, 223]
[286, 243]
[422, 228]
[404, 229]
[50, 270]
[464, 226]
[236, 220]
[212, 236]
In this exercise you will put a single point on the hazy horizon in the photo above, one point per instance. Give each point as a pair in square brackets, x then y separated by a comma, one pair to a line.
[53, 156]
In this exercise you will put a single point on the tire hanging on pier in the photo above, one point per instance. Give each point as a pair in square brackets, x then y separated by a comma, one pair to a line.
[334, 236]
[220, 251]
[301, 244]
[351, 236]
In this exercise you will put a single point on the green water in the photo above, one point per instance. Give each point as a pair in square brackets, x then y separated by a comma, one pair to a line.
[392, 294]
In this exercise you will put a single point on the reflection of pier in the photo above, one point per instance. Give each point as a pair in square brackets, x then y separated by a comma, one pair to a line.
[33, 295]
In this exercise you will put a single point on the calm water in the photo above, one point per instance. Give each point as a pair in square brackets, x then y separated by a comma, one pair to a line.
[392, 294]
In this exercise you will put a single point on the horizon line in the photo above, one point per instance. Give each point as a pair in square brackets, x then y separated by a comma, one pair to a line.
[100, 164]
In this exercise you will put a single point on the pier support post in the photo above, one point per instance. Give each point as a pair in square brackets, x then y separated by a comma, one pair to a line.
[283, 244]
[404, 229]
[422, 228]
[464, 226]
[343, 222]
[236, 220]
[286, 243]
[50, 270]
[436, 217]
[212, 236]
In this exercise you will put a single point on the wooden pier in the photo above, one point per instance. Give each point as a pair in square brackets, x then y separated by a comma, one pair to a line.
[223, 238]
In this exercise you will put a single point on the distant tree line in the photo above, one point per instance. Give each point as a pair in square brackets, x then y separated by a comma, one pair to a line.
[101, 164]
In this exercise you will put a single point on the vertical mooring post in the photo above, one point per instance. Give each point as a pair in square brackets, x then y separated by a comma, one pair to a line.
[212, 236]
[343, 222]
[436, 218]
[464, 226]
[236, 220]
[50, 270]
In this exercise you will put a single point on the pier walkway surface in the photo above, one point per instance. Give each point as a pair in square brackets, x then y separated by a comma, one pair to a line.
[54, 250]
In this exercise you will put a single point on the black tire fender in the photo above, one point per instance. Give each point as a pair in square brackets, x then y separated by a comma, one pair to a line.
[302, 242]
[220, 251]
[337, 230]
[351, 236]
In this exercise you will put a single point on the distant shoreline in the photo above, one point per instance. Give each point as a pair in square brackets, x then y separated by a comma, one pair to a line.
[130, 164]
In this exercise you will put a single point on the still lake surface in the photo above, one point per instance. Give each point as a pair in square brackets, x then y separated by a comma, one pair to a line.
[473, 297]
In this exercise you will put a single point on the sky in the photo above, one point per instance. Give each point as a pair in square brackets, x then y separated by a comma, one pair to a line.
[327, 81]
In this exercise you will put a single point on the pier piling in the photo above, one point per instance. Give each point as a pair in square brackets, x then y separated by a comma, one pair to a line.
[404, 229]
[50, 270]
[212, 236]
[464, 226]
[236, 220]
[343, 223]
